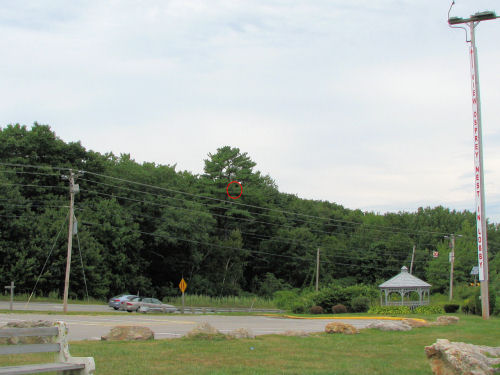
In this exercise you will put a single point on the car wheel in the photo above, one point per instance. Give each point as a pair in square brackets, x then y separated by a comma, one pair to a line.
[129, 311]
[116, 308]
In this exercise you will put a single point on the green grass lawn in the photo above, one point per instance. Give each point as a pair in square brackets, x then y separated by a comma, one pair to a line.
[370, 352]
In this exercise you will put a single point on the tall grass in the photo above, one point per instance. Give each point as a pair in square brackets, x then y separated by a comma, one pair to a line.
[197, 300]
[194, 300]
[53, 297]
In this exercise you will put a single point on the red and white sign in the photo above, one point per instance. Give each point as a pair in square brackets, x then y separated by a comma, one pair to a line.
[478, 183]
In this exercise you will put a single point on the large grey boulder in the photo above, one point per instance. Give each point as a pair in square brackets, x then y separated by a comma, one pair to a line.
[124, 333]
[205, 330]
[390, 325]
[299, 333]
[416, 323]
[338, 327]
[459, 358]
[241, 333]
[446, 320]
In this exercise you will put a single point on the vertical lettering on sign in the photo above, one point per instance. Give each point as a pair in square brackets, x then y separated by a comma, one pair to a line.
[477, 167]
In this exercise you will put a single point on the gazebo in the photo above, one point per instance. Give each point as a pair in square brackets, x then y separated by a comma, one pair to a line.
[405, 283]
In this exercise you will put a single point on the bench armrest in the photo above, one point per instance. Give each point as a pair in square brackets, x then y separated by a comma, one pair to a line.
[64, 356]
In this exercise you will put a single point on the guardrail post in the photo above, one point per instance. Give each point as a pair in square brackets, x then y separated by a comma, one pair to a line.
[11, 287]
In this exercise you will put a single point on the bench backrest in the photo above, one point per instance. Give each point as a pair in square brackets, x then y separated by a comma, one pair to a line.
[9, 333]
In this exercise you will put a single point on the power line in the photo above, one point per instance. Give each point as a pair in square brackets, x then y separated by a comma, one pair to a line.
[252, 221]
[46, 260]
[29, 173]
[250, 251]
[361, 224]
[33, 185]
[235, 203]
[253, 206]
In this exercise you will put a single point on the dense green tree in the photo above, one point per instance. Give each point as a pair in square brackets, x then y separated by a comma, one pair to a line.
[143, 226]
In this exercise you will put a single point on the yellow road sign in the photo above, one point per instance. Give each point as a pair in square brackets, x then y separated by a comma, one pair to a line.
[183, 285]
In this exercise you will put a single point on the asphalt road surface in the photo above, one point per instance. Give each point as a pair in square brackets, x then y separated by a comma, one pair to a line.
[84, 327]
[46, 306]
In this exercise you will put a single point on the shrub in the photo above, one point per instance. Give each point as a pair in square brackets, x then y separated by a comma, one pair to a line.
[285, 299]
[299, 308]
[335, 294]
[428, 309]
[339, 309]
[451, 308]
[316, 310]
[390, 310]
[270, 284]
[360, 304]
[469, 306]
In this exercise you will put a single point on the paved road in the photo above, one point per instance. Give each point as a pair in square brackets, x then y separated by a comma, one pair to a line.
[83, 327]
[45, 306]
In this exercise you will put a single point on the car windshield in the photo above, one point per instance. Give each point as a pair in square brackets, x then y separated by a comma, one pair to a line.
[136, 299]
[156, 301]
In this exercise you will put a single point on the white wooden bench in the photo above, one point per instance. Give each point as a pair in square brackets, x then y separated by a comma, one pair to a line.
[64, 363]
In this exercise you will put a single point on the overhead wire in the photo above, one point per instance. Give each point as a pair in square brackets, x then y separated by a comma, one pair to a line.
[230, 202]
[212, 214]
[46, 260]
[235, 218]
[250, 251]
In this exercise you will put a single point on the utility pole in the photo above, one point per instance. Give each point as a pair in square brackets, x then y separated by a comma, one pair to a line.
[452, 261]
[317, 270]
[482, 241]
[412, 258]
[73, 188]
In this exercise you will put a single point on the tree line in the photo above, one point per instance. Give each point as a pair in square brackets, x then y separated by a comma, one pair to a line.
[142, 227]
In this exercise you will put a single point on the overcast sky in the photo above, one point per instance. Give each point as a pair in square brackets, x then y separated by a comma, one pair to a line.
[362, 103]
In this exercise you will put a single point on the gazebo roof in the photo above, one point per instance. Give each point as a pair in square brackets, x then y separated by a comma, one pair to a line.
[404, 280]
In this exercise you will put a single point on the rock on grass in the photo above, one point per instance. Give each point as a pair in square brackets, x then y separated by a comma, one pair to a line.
[457, 358]
[390, 325]
[129, 333]
[337, 327]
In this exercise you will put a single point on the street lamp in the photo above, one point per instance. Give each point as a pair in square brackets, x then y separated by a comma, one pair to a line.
[482, 240]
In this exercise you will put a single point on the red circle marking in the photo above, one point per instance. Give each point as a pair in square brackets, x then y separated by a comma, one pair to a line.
[227, 190]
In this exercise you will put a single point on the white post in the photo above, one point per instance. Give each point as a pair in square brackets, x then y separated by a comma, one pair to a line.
[11, 287]
[482, 241]
[452, 261]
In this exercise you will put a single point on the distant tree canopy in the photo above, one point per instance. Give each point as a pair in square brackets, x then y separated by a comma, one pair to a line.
[141, 227]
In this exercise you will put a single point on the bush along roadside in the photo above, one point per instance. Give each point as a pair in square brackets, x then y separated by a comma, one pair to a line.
[356, 298]
[404, 310]
[451, 308]
[390, 310]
